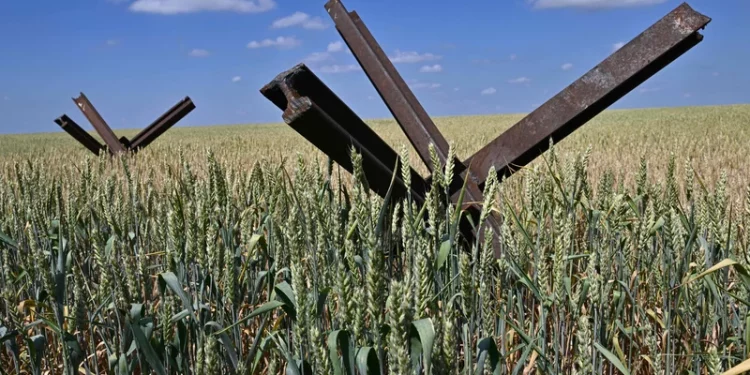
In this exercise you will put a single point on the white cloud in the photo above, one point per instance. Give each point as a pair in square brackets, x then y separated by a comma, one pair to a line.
[112, 42]
[431, 68]
[424, 85]
[317, 57]
[687, 95]
[413, 57]
[336, 46]
[715, 74]
[236, 79]
[520, 80]
[170, 7]
[648, 89]
[6, 97]
[617, 46]
[281, 42]
[547, 4]
[456, 89]
[299, 19]
[197, 52]
[513, 56]
[489, 91]
[567, 66]
[332, 69]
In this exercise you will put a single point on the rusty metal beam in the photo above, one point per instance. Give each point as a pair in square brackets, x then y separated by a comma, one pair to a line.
[613, 78]
[99, 124]
[317, 117]
[402, 103]
[400, 100]
[317, 114]
[162, 124]
[70, 127]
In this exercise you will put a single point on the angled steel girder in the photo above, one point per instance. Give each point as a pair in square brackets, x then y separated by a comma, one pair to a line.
[113, 144]
[404, 106]
[99, 124]
[75, 131]
[620, 73]
[316, 113]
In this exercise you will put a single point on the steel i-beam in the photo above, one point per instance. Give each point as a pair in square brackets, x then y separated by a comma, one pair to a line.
[317, 114]
[141, 140]
[109, 137]
[613, 78]
[404, 106]
[75, 131]
[162, 124]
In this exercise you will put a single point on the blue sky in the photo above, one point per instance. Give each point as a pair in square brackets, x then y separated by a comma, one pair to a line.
[136, 58]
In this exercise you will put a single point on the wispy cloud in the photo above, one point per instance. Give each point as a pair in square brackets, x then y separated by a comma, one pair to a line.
[513, 57]
[566, 66]
[715, 74]
[6, 97]
[333, 69]
[327, 55]
[687, 95]
[489, 91]
[592, 4]
[281, 42]
[431, 68]
[617, 46]
[336, 46]
[424, 85]
[413, 57]
[520, 80]
[303, 20]
[112, 42]
[171, 7]
[197, 52]
[316, 57]
[236, 79]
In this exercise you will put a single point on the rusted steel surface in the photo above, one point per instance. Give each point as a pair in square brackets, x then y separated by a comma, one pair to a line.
[620, 73]
[317, 114]
[162, 124]
[321, 117]
[75, 131]
[141, 140]
[400, 100]
[99, 124]
[394, 91]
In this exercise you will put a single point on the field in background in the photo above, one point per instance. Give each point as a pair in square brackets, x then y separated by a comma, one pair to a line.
[714, 138]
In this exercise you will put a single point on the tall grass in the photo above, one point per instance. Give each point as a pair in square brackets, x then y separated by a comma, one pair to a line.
[296, 268]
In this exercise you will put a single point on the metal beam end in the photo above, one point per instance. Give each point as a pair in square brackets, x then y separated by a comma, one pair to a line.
[296, 107]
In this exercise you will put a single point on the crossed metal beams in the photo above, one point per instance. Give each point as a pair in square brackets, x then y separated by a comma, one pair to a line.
[322, 118]
[113, 144]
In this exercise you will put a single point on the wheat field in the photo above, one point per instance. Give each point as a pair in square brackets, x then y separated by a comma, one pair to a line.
[236, 250]
[714, 139]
